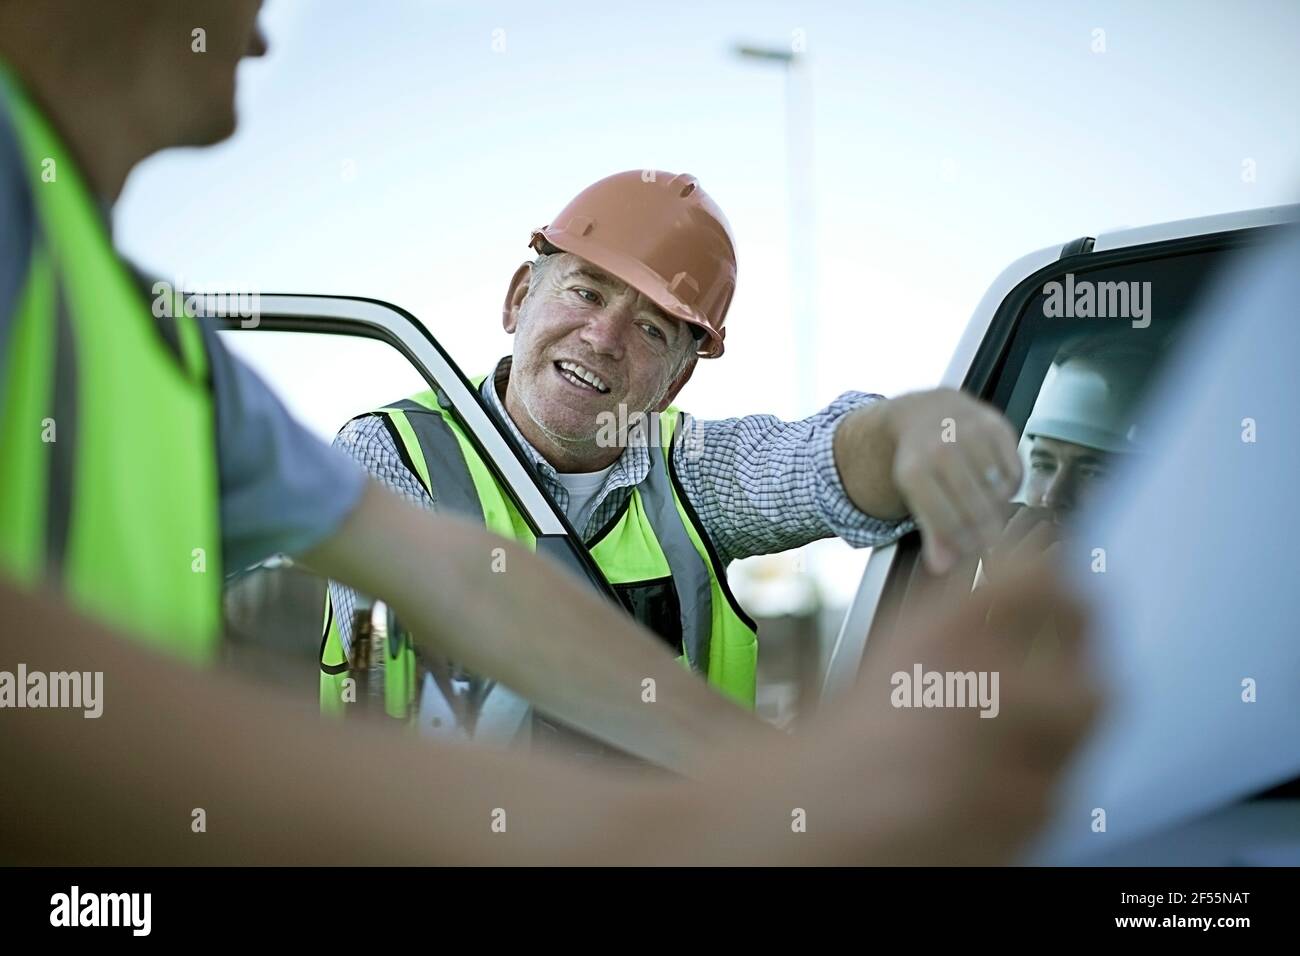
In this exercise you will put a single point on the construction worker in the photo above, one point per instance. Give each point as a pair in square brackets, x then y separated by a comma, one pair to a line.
[136, 457]
[1085, 416]
[630, 288]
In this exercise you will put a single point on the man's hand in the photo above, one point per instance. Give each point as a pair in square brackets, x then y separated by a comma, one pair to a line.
[1030, 535]
[971, 789]
[889, 785]
[945, 457]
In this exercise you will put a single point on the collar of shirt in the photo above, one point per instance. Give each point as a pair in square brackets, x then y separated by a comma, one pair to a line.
[629, 470]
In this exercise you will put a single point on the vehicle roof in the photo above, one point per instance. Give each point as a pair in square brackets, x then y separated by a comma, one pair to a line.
[1027, 265]
[1199, 226]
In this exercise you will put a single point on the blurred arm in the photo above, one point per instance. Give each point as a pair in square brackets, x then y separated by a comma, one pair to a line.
[366, 441]
[535, 628]
[877, 784]
[277, 786]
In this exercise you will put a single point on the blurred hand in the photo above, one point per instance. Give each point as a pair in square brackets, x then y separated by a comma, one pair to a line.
[1030, 535]
[893, 785]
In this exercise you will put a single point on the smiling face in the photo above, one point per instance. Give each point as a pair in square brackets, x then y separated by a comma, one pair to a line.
[586, 343]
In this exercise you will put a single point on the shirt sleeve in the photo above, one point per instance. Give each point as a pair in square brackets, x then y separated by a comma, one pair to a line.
[761, 485]
[367, 441]
[283, 490]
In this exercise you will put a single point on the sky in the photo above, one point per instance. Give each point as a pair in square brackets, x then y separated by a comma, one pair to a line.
[404, 150]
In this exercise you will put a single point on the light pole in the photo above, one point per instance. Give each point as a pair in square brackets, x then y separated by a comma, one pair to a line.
[800, 200]
[794, 590]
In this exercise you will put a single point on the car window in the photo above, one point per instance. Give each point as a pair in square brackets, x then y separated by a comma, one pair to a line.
[325, 379]
[1068, 356]
[273, 611]
[1087, 346]
[329, 360]
[1086, 349]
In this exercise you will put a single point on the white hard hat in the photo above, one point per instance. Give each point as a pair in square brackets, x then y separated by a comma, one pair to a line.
[1090, 401]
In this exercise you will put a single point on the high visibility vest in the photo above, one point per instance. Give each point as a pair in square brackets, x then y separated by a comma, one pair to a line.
[653, 552]
[108, 472]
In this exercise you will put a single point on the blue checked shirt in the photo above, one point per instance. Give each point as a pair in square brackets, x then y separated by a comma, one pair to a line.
[758, 484]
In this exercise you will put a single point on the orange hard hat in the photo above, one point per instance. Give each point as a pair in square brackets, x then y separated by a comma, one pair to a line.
[662, 235]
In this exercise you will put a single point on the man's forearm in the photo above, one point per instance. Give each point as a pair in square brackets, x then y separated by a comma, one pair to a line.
[864, 455]
[536, 629]
[275, 784]
[760, 485]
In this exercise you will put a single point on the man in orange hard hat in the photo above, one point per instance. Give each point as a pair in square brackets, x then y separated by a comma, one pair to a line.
[630, 288]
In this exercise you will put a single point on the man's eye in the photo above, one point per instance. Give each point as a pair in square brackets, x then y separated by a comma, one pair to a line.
[654, 332]
[1043, 467]
[587, 295]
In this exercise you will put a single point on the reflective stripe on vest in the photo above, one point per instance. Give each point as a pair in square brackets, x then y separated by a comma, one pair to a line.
[654, 502]
[108, 479]
[654, 537]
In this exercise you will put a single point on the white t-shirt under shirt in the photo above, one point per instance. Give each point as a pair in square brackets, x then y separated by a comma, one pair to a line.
[582, 486]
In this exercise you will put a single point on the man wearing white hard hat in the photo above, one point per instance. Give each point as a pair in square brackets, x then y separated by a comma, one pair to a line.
[1084, 416]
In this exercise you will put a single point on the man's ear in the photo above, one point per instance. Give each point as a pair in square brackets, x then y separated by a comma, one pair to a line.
[519, 283]
[678, 382]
